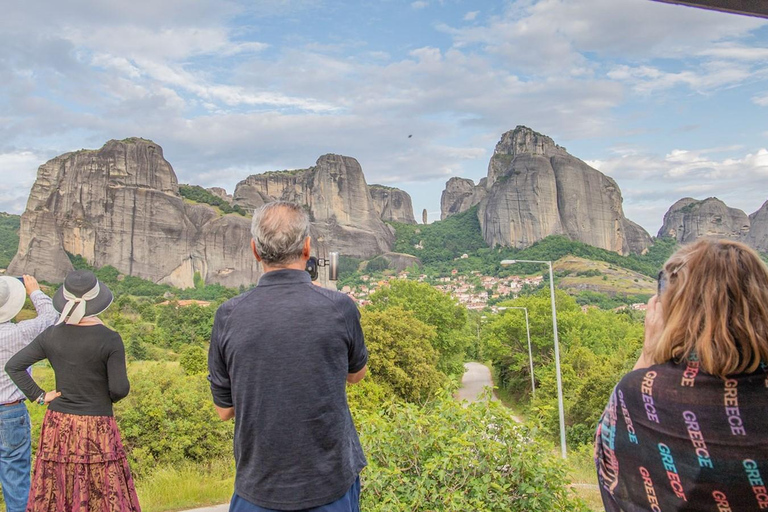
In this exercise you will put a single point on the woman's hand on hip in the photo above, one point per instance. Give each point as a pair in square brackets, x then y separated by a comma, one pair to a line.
[51, 396]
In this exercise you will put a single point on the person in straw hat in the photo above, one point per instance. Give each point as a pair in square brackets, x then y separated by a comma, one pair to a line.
[80, 463]
[15, 436]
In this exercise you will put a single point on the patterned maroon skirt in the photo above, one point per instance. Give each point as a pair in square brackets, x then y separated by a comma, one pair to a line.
[81, 466]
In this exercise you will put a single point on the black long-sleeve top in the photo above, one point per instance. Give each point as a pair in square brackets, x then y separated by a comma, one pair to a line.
[89, 364]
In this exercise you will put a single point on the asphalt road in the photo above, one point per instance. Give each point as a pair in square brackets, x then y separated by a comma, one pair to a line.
[476, 378]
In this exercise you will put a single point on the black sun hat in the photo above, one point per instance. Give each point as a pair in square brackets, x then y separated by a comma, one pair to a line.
[80, 296]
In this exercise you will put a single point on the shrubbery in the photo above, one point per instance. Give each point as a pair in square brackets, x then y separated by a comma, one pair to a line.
[168, 417]
[445, 457]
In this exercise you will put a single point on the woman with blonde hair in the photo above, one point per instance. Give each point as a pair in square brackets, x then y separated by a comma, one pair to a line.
[80, 463]
[686, 429]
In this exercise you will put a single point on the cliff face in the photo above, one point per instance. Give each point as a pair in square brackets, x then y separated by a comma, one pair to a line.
[120, 206]
[536, 189]
[758, 229]
[460, 195]
[392, 204]
[337, 198]
[689, 219]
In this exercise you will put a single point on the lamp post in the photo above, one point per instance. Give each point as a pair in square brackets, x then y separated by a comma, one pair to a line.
[530, 352]
[557, 348]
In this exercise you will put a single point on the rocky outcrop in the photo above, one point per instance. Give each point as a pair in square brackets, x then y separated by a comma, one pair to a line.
[689, 219]
[392, 204]
[399, 261]
[220, 193]
[536, 189]
[120, 206]
[758, 229]
[335, 194]
[460, 195]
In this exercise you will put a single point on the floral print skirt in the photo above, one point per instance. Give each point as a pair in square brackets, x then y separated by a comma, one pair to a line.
[81, 467]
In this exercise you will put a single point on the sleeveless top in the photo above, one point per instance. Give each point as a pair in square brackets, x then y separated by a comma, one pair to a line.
[675, 438]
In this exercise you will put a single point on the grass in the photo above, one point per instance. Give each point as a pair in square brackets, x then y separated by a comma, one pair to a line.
[172, 488]
[617, 280]
[581, 471]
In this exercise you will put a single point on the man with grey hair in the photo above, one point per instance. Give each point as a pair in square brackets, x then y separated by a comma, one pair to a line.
[280, 357]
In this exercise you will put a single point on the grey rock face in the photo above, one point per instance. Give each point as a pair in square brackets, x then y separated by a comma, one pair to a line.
[220, 193]
[536, 189]
[758, 229]
[399, 261]
[689, 219]
[392, 204]
[120, 206]
[460, 195]
[337, 198]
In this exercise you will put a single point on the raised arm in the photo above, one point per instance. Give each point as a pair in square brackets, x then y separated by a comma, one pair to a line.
[46, 315]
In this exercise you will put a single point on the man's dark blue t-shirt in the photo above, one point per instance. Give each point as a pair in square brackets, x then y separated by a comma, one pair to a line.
[280, 355]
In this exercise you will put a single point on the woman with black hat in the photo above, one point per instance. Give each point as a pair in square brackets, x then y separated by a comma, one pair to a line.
[80, 462]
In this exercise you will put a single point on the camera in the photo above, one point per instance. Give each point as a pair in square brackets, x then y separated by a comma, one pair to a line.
[663, 281]
[332, 262]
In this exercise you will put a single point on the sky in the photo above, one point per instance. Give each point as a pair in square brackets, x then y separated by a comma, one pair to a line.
[669, 101]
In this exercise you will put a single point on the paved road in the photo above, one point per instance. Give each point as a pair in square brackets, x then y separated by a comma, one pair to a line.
[476, 378]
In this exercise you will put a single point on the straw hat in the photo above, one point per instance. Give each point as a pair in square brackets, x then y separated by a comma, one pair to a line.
[12, 297]
[80, 296]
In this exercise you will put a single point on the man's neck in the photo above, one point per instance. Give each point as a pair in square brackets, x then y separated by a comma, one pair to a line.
[297, 265]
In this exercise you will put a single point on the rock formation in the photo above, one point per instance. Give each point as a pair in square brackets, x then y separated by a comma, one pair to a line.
[758, 229]
[335, 194]
[460, 195]
[399, 262]
[689, 219]
[220, 193]
[424, 216]
[392, 204]
[120, 206]
[536, 189]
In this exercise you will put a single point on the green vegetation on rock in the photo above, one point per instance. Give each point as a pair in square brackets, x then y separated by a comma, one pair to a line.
[9, 237]
[200, 195]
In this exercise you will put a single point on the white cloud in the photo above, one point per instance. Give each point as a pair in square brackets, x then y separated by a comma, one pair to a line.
[651, 183]
[471, 15]
[18, 169]
[761, 100]
[419, 5]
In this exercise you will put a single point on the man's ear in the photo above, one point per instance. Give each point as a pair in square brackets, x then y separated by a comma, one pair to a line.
[307, 250]
[253, 248]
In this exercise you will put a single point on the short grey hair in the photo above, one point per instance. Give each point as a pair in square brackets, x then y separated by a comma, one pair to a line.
[279, 229]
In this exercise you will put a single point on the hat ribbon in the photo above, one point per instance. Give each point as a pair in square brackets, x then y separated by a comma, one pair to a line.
[76, 305]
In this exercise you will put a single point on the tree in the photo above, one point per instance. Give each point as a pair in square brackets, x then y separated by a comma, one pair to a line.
[401, 355]
[194, 360]
[434, 308]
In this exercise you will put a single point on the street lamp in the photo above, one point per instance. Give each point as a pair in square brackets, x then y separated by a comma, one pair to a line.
[557, 348]
[530, 353]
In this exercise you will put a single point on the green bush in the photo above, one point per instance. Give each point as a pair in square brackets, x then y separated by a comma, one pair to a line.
[401, 355]
[194, 360]
[169, 417]
[449, 458]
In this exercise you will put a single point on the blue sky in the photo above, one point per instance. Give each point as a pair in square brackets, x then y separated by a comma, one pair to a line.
[669, 101]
